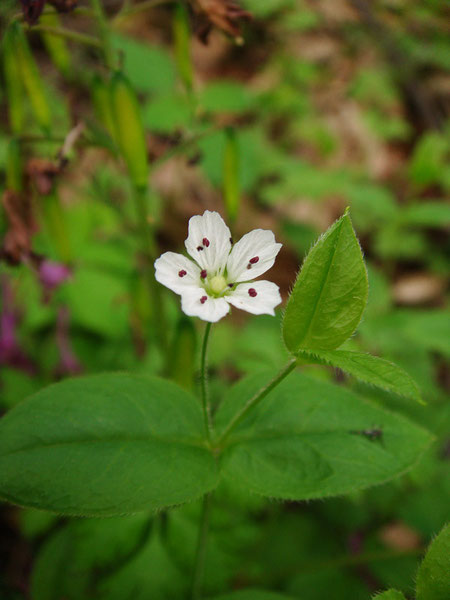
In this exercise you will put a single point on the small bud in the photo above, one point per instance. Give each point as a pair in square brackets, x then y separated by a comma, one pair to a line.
[30, 76]
[13, 82]
[129, 129]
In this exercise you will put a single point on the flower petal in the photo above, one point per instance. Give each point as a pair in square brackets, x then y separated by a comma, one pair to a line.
[176, 272]
[195, 302]
[209, 241]
[257, 297]
[252, 256]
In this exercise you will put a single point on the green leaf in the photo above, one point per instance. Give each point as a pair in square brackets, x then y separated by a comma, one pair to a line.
[370, 369]
[390, 595]
[105, 445]
[433, 578]
[149, 68]
[225, 96]
[308, 439]
[253, 595]
[429, 159]
[330, 292]
[427, 214]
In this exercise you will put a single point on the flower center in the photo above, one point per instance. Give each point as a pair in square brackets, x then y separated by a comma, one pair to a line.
[218, 284]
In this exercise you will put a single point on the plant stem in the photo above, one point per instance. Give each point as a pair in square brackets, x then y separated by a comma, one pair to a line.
[250, 404]
[200, 553]
[108, 51]
[75, 36]
[148, 251]
[204, 384]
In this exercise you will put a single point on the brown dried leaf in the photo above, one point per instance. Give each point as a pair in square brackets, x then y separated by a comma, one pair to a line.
[224, 14]
[63, 5]
[42, 173]
[21, 226]
[32, 10]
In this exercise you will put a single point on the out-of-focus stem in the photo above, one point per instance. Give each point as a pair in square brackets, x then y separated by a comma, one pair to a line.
[75, 36]
[148, 250]
[104, 32]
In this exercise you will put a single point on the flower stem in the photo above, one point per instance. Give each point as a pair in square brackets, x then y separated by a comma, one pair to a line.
[250, 404]
[204, 384]
[200, 554]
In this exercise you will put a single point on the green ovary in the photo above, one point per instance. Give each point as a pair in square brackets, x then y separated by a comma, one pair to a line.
[218, 284]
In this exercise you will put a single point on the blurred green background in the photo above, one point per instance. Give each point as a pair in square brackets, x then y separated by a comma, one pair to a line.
[277, 121]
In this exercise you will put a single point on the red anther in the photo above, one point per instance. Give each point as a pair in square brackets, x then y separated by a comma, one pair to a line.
[199, 248]
[205, 242]
[254, 260]
[252, 292]
[182, 273]
[203, 274]
[203, 299]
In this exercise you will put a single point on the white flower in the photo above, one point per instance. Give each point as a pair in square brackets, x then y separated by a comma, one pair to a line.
[221, 273]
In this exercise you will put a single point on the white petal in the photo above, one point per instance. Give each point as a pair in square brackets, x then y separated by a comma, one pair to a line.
[252, 256]
[262, 299]
[176, 272]
[211, 309]
[209, 241]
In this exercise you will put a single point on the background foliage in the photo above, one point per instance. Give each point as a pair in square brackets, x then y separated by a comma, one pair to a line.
[324, 105]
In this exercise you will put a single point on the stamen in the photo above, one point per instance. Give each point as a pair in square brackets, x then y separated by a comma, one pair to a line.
[249, 266]
[230, 285]
[205, 242]
[199, 248]
[254, 260]
[203, 299]
[231, 240]
[182, 273]
[203, 274]
[252, 292]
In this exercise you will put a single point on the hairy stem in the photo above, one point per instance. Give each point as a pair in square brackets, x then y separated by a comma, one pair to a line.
[204, 384]
[262, 393]
[200, 553]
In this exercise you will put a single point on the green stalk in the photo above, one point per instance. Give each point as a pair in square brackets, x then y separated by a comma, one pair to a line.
[108, 51]
[148, 250]
[204, 385]
[69, 34]
[250, 404]
[200, 554]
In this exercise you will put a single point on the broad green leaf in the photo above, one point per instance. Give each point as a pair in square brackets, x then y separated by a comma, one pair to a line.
[330, 293]
[225, 96]
[433, 578]
[429, 158]
[149, 68]
[367, 368]
[427, 214]
[390, 595]
[310, 439]
[105, 445]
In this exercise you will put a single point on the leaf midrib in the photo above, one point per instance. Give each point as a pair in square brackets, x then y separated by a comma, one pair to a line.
[119, 439]
[323, 284]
